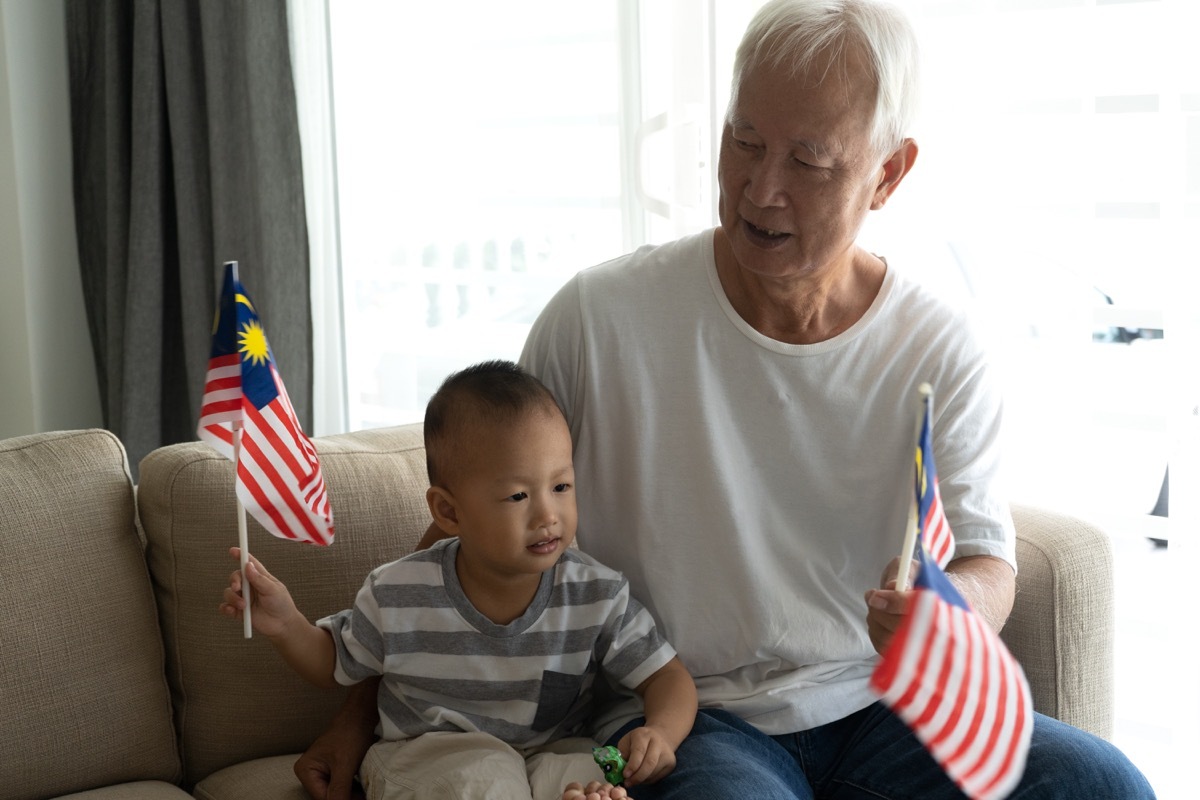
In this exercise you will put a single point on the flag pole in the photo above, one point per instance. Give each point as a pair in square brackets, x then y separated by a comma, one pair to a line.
[910, 533]
[243, 538]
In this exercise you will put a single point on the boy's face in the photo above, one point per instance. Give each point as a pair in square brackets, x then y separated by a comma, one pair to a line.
[514, 496]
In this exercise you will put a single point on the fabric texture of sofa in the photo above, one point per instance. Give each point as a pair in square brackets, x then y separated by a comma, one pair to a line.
[120, 680]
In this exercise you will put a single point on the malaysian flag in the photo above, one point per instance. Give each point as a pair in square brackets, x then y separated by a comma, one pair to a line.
[947, 674]
[931, 517]
[278, 476]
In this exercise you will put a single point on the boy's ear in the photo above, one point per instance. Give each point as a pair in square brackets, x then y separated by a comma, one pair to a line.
[443, 508]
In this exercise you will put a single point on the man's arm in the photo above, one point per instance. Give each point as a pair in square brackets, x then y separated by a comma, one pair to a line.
[986, 582]
[433, 534]
[328, 766]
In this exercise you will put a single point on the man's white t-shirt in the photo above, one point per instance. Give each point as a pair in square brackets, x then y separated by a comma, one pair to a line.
[752, 491]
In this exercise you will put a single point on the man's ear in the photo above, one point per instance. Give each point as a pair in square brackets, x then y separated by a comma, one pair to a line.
[893, 171]
[443, 508]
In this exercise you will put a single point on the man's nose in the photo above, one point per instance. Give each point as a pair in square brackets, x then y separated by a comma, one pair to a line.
[764, 187]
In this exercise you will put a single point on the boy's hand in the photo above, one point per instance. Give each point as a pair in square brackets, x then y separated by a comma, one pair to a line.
[273, 608]
[648, 754]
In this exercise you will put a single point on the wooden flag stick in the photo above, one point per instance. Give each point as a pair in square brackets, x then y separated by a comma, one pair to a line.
[910, 533]
[906, 552]
[243, 539]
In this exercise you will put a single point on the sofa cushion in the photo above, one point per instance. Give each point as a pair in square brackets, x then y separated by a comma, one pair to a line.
[263, 779]
[236, 699]
[83, 699]
[142, 790]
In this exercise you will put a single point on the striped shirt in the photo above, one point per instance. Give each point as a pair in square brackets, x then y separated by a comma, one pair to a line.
[447, 667]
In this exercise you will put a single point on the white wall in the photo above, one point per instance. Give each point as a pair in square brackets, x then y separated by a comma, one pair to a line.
[47, 375]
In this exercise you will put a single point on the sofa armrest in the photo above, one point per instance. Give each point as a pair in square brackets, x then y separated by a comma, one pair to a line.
[1062, 623]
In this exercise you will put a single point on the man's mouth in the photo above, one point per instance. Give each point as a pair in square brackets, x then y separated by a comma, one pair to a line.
[766, 235]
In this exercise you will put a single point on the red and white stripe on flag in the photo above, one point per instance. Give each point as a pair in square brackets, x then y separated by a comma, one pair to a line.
[954, 683]
[221, 405]
[935, 530]
[279, 479]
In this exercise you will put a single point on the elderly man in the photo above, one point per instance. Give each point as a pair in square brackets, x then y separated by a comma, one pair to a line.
[742, 405]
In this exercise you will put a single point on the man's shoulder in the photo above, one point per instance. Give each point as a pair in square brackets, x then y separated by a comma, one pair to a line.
[923, 312]
[651, 260]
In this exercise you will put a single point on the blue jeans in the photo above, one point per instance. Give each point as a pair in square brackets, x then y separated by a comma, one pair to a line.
[873, 754]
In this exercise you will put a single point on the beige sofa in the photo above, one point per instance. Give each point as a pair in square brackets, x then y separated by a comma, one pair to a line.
[120, 680]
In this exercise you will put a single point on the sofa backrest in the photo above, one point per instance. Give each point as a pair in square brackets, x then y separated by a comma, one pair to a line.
[236, 699]
[83, 700]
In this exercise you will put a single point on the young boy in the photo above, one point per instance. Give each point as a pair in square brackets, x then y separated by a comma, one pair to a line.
[489, 643]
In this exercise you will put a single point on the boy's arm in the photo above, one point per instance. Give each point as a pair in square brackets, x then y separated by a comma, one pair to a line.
[306, 648]
[669, 698]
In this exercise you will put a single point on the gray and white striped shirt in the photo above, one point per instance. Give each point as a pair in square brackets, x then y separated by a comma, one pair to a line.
[447, 667]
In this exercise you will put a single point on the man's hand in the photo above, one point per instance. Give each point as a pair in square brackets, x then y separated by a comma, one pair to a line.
[327, 768]
[887, 606]
[987, 583]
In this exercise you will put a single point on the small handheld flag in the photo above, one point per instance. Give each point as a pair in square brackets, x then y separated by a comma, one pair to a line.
[246, 416]
[926, 514]
[949, 676]
[935, 530]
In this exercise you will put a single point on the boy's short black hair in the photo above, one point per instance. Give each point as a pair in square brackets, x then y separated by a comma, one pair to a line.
[491, 392]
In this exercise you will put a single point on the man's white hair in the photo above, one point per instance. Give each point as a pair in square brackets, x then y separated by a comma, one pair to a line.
[794, 33]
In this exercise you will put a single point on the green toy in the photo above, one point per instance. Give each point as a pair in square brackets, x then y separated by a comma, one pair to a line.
[609, 760]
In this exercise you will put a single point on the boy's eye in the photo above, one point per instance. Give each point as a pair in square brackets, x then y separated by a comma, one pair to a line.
[518, 497]
[562, 487]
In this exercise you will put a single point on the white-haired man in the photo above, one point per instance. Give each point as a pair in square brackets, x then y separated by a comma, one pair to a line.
[741, 402]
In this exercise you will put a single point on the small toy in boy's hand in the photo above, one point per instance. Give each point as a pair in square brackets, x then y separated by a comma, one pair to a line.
[610, 762]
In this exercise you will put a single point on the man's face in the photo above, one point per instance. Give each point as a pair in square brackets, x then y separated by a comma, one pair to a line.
[797, 172]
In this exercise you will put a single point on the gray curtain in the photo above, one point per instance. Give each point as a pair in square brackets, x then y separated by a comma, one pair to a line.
[186, 155]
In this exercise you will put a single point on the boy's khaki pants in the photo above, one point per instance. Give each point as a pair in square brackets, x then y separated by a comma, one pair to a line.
[465, 766]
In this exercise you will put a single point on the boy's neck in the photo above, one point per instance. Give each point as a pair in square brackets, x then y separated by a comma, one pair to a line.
[501, 600]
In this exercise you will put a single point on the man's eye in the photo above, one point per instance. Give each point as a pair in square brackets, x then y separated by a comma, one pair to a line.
[518, 497]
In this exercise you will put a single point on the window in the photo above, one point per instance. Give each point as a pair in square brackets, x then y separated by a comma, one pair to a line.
[485, 152]
[1053, 194]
